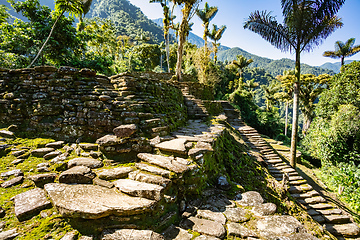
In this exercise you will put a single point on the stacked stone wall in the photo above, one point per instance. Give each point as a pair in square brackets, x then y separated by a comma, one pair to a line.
[68, 103]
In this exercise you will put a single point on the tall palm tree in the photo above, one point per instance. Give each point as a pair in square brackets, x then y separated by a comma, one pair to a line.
[306, 24]
[74, 7]
[167, 20]
[188, 10]
[215, 35]
[206, 15]
[241, 63]
[343, 50]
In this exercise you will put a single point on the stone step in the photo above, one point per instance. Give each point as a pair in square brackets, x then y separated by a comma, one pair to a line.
[92, 202]
[152, 169]
[139, 189]
[174, 146]
[337, 218]
[149, 178]
[334, 211]
[313, 200]
[169, 163]
[297, 182]
[320, 206]
[272, 161]
[345, 230]
[306, 195]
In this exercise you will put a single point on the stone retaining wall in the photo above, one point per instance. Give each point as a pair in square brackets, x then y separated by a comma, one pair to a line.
[68, 103]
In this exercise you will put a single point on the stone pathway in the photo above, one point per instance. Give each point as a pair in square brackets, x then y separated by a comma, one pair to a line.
[332, 218]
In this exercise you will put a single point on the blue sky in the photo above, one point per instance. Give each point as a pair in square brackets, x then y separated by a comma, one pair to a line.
[233, 13]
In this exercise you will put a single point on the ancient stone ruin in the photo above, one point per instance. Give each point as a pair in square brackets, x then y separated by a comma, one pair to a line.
[140, 156]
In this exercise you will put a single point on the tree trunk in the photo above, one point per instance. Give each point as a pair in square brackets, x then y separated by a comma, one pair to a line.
[46, 41]
[286, 116]
[167, 51]
[182, 38]
[294, 131]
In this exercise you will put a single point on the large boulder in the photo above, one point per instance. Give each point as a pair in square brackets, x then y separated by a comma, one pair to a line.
[93, 202]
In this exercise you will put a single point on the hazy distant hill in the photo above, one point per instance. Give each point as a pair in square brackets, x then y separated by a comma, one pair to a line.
[335, 66]
[274, 67]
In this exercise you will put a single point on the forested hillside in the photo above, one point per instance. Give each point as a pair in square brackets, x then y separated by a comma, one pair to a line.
[127, 18]
[335, 66]
[274, 67]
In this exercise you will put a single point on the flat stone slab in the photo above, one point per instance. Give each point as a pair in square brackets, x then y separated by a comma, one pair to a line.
[114, 173]
[41, 179]
[211, 215]
[125, 131]
[235, 229]
[6, 134]
[15, 173]
[337, 218]
[175, 146]
[139, 189]
[93, 202]
[40, 152]
[237, 214]
[52, 155]
[13, 182]
[169, 163]
[30, 203]
[9, 234]
[149, 178]
[335, 211]
[279, 226]
[176, 233]
[206, 237]
[153, 169]
[130, 234]
[87, 162]
[265, 209]
[89, 146]
[346, 230]
[250, 198]
[77, 174]
[204, 226]
[56, 145]
[321, 206]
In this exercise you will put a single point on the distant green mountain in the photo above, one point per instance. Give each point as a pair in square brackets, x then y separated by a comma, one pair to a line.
[274, 67]
[128, 19]
[335, 66]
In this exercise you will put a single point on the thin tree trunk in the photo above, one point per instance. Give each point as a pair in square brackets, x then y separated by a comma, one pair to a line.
[167, 51]
[46, 41]
[294, 131]
[182, 38]
[286, 116]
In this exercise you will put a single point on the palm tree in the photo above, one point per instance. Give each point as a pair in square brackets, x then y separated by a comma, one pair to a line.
[206, 15]
[74, 7]
[167, 20]
[241, 63]
[306, 24]
[216, 35]
[269, 94]
[343, 50]
[188, 11]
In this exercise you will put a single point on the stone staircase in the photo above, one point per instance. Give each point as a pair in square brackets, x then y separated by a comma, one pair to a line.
[196, 107]
[333, 219]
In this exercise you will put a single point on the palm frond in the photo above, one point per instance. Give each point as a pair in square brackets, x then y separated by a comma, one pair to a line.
[268, 28]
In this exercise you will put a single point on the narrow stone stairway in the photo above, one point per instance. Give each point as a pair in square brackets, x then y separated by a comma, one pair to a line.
[195, 106]
[333, 219]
